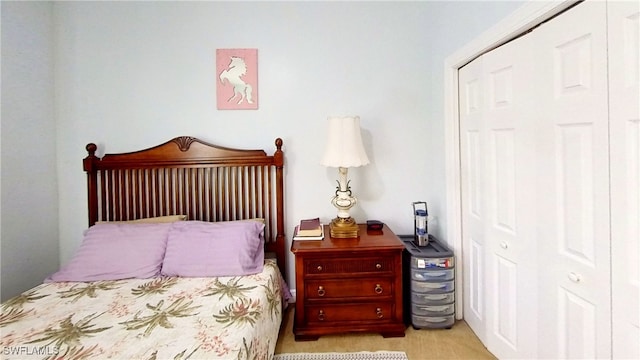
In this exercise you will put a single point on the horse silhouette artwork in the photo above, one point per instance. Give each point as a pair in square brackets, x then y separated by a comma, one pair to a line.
[232, 75]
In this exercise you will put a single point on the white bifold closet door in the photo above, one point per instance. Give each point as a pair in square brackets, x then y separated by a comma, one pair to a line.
[572, 139]
[545, 202]
[624, 122]
[473, 194]
[497, 176]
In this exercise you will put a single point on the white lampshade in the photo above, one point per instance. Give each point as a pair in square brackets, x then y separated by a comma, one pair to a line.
[344, 143]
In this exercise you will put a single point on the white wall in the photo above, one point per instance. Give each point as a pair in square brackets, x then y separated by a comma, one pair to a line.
[134, 74]
[29, 206]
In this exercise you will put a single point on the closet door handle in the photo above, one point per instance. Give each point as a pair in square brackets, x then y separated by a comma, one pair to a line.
[576, 278]
[504, 245]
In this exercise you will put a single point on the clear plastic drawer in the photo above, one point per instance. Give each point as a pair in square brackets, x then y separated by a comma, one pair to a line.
[431, 263]
[432, 274]
[432, 287]
[433, 321]
[432, 299]
[433, 310]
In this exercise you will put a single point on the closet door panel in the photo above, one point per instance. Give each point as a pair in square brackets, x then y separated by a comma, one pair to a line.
[572, 168]
[510, 197]
[472, 193]
[624, 80]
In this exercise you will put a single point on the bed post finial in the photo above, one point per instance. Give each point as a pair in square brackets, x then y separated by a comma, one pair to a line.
[91, 149]
[278, 154]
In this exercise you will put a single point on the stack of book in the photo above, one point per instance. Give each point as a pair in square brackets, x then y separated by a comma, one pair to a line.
[309, 229]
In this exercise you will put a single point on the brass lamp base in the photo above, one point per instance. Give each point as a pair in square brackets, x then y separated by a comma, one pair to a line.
[343, 228]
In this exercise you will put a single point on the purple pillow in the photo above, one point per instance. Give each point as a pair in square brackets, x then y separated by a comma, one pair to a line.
[117, 251]
[203, 249]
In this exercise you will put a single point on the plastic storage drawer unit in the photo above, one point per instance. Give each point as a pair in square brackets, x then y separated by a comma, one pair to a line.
[429, 290]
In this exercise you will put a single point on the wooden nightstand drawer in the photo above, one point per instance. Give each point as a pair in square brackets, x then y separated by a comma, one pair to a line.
[334, 315]
[350, 265]
[348, 288]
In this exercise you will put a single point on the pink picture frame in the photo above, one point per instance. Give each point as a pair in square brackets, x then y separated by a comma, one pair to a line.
[237, 79]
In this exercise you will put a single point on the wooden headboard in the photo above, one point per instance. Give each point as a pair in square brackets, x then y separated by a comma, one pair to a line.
[187, 176]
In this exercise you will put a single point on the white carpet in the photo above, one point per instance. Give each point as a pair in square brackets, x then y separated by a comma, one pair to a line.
[362, 355]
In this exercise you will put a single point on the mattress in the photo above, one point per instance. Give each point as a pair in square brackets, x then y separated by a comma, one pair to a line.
[159, 318]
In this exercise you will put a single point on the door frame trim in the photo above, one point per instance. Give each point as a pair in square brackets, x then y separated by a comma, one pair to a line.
[528, 16]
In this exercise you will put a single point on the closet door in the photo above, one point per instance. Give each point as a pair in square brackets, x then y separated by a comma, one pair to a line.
[472, 192]
[573, 163]
[511, 215]
[499, 242]
[624, 82]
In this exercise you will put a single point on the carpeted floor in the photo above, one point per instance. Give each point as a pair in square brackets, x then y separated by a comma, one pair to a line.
[362, 355]
[459, 342]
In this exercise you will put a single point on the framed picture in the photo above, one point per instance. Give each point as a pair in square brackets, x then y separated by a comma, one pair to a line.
[237, 79]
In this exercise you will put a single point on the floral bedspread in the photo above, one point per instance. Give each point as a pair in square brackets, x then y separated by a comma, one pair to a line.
[161, 318]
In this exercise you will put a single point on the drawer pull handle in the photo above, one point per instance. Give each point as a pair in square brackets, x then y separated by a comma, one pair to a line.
[378, 266]
[321, 315]
[321, 291]
[379, 313]
[378, 289]
[319, 267]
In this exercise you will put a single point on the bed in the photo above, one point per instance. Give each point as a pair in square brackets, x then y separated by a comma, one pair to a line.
[182, 258]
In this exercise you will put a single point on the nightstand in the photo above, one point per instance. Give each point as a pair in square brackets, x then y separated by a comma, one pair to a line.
[349, 285]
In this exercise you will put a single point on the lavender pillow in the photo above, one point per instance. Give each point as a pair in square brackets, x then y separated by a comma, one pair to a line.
[117, 251]
[202, 249]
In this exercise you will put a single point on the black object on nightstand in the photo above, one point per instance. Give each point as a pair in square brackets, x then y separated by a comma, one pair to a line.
[374, 225]
[429, 292]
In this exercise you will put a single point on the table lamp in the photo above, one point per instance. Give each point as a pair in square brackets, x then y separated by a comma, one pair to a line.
[344, 150]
